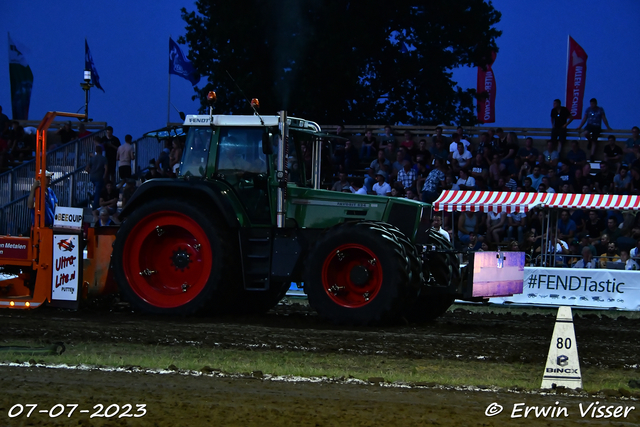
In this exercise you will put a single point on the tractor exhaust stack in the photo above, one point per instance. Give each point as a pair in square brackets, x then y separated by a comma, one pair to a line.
[283, 155]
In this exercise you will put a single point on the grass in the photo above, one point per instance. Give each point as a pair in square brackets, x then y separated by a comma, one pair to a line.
[443, 372]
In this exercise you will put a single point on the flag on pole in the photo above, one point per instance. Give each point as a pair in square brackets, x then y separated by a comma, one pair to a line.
[89, 65]
[576, 78]
[180, 65]
[486, 89]
[21, 79]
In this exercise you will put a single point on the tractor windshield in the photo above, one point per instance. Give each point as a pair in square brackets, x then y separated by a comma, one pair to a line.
[196, 152]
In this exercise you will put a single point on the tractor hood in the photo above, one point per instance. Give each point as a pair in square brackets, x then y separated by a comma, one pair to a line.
[312, 208]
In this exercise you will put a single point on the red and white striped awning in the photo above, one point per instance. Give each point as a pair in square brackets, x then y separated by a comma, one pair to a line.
[488, 201]
[593, 201]
[499, 201]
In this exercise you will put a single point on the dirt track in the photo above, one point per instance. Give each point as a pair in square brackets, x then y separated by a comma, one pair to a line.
[458, 335]
[190, 401]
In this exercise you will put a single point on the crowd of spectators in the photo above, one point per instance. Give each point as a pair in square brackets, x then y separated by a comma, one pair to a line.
[18, 143]
[111, 190]
[422, 166]
[109, 167]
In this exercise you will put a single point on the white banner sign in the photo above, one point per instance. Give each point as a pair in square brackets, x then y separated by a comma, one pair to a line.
[584, 287]
[64, 284]
[68, 218]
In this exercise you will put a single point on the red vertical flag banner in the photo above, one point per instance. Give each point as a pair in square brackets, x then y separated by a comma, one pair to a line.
[576, 78]
[486, 89]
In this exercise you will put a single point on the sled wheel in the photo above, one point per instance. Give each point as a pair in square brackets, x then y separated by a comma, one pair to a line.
[168, 258]
[258, 302]
[429, 307]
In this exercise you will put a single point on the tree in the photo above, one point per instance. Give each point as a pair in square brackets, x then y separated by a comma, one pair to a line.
[342, 61]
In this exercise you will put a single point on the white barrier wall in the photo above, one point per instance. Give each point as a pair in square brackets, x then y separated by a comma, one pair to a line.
[595, 288]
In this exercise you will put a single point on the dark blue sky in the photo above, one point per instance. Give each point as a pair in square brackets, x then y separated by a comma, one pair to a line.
[130, 49]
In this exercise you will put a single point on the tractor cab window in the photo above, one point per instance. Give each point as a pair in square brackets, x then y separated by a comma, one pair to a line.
[243, 166]
[241, 150]
[294, 164]
[196, 152]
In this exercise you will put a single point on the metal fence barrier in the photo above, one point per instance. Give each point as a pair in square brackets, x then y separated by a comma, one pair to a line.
[70, 182]
[71, 189]
[568, 261]
[146, 148]
[63, 160]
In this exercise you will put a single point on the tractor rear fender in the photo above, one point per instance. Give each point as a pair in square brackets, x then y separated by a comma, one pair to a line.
[204, 192]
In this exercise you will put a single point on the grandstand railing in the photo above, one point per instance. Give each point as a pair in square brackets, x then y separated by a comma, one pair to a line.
[472, 131]
[146, 149]
[70, 188]
[63, 160]
[70, 182]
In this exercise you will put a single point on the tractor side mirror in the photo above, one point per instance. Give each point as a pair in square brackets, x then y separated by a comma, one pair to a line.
[267, 148]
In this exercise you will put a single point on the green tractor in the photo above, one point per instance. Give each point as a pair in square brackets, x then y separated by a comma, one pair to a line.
[242, 221]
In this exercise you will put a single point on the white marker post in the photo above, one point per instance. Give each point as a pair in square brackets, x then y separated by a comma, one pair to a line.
[563, 365]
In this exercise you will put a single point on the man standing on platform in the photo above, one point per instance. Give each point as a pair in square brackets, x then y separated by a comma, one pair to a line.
[560, 119]
[111, 144]
[124, 156]
[97, 169]
[593, 116]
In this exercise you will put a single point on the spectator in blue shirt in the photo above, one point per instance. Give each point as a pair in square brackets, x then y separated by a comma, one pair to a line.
[50, 200]
[434, 182]
[622, 181]
[566, 226]
[439, 151]
[536, 177]
[593, 116]
[576, 158]
[634, 141]
[528, 152]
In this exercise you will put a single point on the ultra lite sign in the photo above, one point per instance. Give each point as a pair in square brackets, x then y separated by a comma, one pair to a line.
[64, 285]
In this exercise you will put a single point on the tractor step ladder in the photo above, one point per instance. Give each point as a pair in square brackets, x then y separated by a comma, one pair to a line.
[256, 257]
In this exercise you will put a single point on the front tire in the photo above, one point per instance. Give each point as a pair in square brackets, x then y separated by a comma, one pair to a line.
[358, 274]
[168, 258]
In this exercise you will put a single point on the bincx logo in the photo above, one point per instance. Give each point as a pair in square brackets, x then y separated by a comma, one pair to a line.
[561, 371]
[562, 360]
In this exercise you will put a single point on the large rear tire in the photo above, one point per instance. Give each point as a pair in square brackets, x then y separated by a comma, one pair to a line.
[443, 269]
[168, 258]
[358, 274]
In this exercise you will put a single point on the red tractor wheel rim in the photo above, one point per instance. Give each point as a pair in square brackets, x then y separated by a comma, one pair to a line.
[339, 269]
[167, 259]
